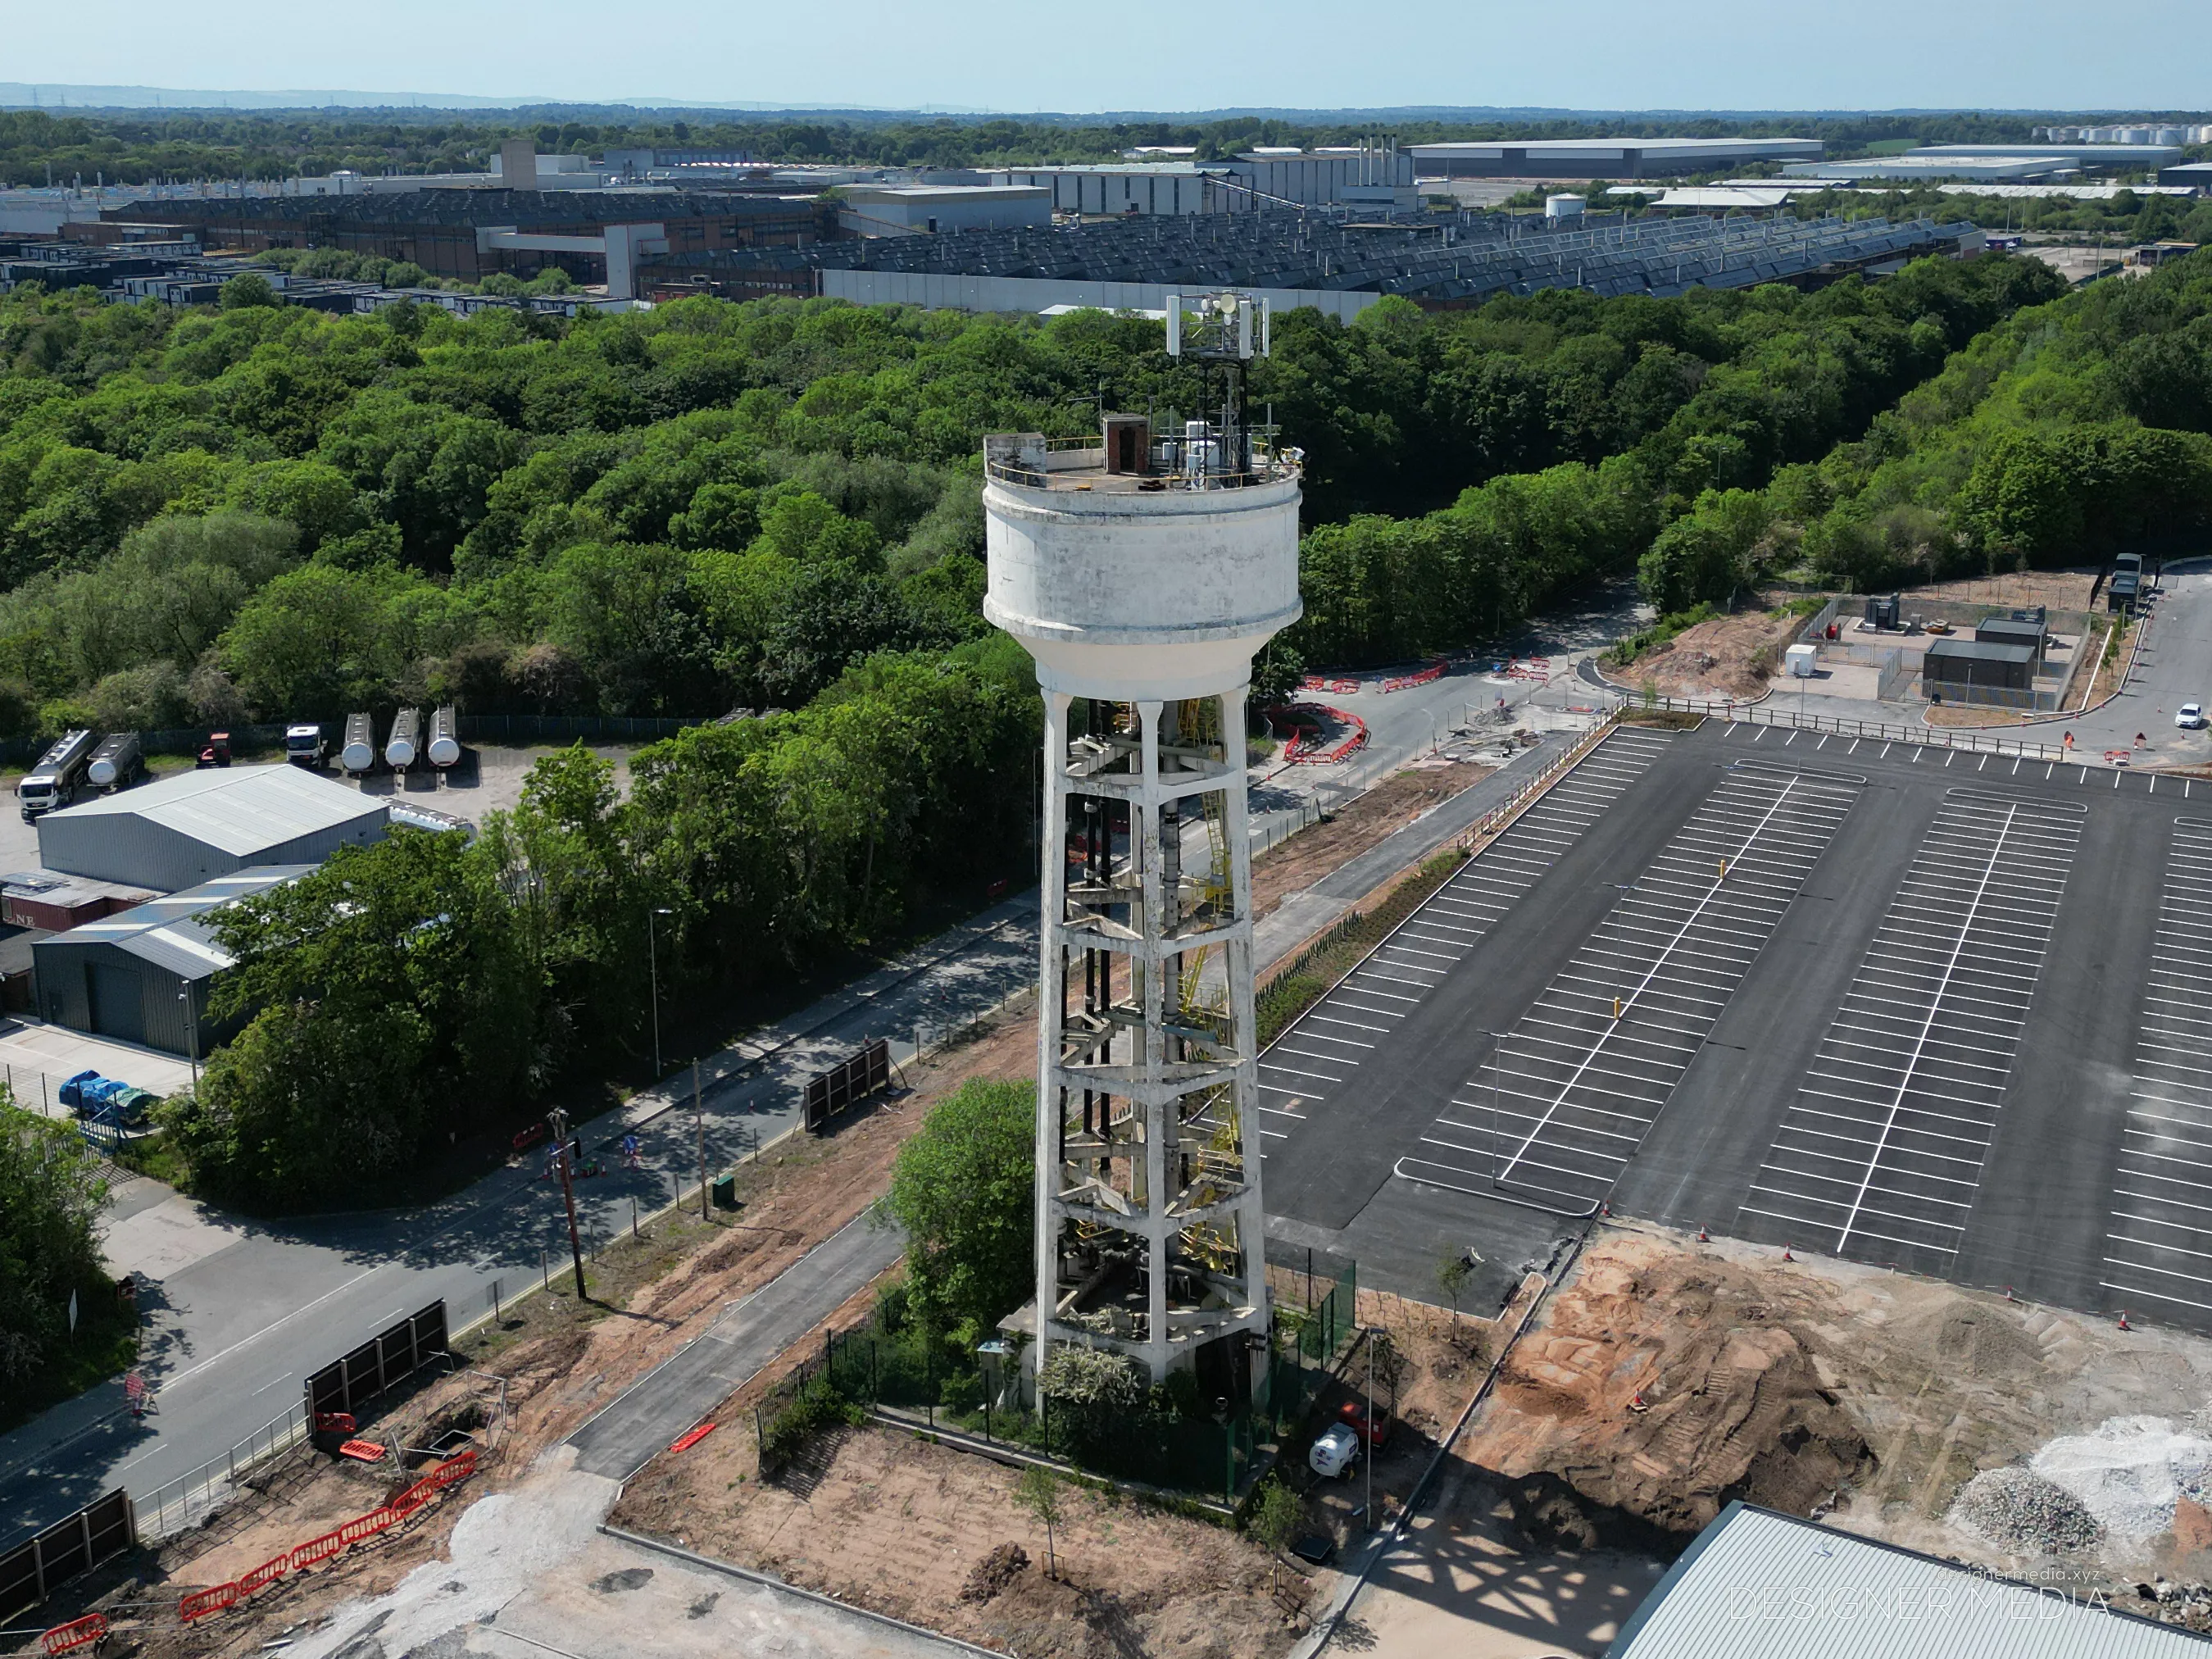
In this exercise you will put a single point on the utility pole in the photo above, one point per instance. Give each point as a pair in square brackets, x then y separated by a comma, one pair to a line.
[699, 1125]
[1367, 1463]
[557, 1121]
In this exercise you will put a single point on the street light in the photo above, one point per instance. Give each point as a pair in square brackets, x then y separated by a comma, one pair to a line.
[1433, 739]
[1497, 1039]
[653, 957]
[192, 1033]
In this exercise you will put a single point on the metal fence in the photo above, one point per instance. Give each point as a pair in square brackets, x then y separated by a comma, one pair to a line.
[1216, 1453]
[567, 728]
[181, 1503]
[1969, 738]
[34, 1570]
[389, 1358]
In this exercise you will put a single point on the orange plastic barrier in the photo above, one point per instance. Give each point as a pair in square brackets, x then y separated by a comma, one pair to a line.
[690, 1438]
[263, 1575]
[77, 1633]
[200, 1604]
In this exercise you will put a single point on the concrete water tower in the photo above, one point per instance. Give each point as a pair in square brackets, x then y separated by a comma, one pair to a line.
[1142, 570]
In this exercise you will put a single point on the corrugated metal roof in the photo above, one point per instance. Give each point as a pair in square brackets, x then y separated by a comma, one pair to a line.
[1761, 1585]
[238, 810]
[173, 933]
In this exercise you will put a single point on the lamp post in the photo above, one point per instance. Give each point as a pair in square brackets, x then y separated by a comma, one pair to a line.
[191, 1034]
[557, 1121]
[1497, 1039]
[652, 959]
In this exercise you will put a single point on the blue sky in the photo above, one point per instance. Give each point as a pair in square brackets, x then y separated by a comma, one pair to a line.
[1879, 54]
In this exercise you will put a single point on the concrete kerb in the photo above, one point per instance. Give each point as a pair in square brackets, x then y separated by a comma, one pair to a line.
[1014, 1458]
[1390, 1538]
[770, 1581]
[1525, 797]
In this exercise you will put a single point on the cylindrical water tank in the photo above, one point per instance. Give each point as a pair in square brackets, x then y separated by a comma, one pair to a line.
[444, 748]
[1135, 588]
[406, 736]
[359, 754]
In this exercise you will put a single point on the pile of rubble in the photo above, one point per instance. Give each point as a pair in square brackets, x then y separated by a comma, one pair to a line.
[2016, 1508]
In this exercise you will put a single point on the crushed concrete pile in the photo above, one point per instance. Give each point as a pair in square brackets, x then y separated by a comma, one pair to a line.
[2131, 1473]
[1652, 1394]
[2016, 1508]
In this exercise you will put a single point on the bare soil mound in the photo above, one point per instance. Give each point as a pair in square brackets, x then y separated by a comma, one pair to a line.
[1727, 657]
[1654, 1395]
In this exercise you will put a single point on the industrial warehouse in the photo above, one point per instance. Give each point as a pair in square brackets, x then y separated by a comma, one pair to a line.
[1293, 258]
[142, 975]
[131, 881]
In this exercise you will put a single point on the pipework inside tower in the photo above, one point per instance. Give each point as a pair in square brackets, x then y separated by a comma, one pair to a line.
[1102, 1152]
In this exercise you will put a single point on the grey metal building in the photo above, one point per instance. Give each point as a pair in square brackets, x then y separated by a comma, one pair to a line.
[182, 830]
[1757, 1583]
[142, 975]
[1958, 665]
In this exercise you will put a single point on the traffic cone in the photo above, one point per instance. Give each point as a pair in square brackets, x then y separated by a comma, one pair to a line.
[1604, 1210]
[1786, 1256]
[1702, 1237]
[2010, 1297]
[2124, 1320]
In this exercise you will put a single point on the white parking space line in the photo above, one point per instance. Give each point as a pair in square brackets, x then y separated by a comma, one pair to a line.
[2159, 1249]
[1882, 1149]
[1572, 1090]
[1356, 1020]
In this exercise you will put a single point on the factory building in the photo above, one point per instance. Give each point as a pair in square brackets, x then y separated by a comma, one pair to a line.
[180, 831]
[1168, 187]
[1375, 178]
[1292, 258]
[470, 234]
[142, 975]
[919, 209]
[1756, 1583]
[1603, 158]
[1992, 163]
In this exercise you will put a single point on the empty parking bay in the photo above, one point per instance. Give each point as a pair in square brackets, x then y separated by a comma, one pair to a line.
[2159, 1249]
[1880, 1152]
[1572, 1087]
[1321, 1052]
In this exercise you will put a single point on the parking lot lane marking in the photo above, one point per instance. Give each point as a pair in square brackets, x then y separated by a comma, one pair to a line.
[1897, 1108]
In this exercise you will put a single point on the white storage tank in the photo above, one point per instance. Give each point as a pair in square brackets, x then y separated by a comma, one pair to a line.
[1802, 662]
[359, 753]
[406, 738]
[444, 748]
[1565, 207]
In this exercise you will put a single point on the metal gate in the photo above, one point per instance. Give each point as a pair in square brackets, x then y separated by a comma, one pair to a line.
[392, 1356]
[830, 1092]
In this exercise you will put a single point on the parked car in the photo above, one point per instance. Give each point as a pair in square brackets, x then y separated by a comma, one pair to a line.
[1335, 1453]
[1353, 1415]
[2190, 717]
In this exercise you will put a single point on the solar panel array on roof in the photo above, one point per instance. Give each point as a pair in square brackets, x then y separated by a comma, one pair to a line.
[1439, 259]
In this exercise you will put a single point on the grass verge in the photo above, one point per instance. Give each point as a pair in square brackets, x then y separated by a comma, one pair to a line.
[1305, 979]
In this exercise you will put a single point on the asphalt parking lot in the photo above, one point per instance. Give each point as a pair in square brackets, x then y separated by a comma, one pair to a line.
[1940, 1010]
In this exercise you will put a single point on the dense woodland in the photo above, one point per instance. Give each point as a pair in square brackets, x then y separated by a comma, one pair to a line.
[210, 514]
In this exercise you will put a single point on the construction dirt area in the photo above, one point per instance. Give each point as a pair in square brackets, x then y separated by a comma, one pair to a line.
[889, 1518]
[1731, 656]
[1666, 1377]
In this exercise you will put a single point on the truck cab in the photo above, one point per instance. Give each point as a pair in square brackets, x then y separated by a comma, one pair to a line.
[54, 781]
[305, 745]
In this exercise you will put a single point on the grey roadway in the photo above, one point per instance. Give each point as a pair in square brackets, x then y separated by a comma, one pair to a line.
[239, 1311]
